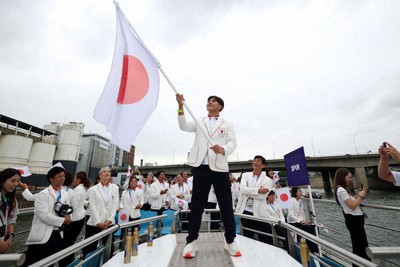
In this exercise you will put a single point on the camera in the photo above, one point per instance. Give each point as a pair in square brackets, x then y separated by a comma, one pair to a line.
[62, 209]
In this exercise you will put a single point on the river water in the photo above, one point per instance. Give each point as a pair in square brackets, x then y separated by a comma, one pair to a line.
[328, 214]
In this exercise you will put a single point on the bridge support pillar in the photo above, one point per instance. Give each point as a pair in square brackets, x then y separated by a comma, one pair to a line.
[326, 179]
[361, 177]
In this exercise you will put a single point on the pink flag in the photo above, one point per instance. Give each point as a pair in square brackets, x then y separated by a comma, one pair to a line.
[283, 197]
[131, 92]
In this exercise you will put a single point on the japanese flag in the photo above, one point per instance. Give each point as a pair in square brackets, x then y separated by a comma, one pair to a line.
[24, 171]
[123, 216]
[283, 197]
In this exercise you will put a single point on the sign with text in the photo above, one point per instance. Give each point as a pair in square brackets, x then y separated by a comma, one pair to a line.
[296, 168]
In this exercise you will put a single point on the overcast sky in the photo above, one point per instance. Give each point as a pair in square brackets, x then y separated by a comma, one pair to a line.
[320, 74]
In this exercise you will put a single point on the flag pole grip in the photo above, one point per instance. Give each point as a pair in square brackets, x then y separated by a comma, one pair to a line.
[187, 107]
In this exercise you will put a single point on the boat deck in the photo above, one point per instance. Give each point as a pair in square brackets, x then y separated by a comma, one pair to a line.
[167, 251]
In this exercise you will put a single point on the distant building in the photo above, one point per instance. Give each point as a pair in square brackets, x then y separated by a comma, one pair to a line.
[97, 151]
[23, 144]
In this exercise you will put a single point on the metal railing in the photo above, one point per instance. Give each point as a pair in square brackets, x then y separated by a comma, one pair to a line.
[337, 251]
[177, 221]
[392, 258]
[106, 251]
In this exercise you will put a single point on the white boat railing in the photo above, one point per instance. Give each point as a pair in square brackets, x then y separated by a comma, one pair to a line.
[106, 251]
[12, 260]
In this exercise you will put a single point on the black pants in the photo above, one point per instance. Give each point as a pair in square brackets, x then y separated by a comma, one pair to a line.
[283, 233]
[39, 252]
[259, 226]
[71, 233]
[309, 228]
[213, 215]
[159, 212]
[91, 231]
[203, 178]
[355, 225]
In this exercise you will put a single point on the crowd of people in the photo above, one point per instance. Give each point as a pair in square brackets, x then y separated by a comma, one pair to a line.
[70, 204]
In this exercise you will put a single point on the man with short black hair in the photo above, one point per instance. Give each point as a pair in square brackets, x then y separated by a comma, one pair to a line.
[254, 187]
[210, 168]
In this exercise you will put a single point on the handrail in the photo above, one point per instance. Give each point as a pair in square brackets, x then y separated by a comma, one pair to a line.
[77, 246]
[383, 252]
[12, 259]
[338, 251]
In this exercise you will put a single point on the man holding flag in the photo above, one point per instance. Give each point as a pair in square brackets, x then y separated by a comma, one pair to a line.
[210, 168]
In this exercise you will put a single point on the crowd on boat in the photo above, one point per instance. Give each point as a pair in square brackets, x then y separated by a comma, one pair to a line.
[70, 204]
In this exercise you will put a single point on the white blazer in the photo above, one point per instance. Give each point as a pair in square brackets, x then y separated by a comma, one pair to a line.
[45, 219]
[129, 201]
[270, 212]
[78, 203]
[296, 212]
[102, 208]
[158, 200]
[223, 134]
[174, 191]
[248, 191]
[28, 195]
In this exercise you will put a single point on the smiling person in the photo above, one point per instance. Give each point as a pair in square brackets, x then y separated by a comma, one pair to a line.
[46, 235]
[353, 214]
[9, 180]
[210, 167]
[103, 205]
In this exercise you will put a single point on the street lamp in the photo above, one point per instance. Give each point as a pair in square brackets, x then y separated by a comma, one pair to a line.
[354, 141]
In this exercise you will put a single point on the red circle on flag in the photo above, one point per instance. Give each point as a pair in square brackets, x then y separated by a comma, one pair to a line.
[123, 217]
[139, 186]
[284, 197]
[134, 81]
[21, 171]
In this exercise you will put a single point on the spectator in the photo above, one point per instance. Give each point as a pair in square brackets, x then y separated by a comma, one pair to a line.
[353, 214]
[9, 180]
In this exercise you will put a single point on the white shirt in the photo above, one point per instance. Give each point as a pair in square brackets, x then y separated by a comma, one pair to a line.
[396, 176]
[213, 120]
[342, 196]
[250, 201]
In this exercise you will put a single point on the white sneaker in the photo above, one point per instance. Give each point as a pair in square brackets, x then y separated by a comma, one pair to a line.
[190, 250]
[233, 249]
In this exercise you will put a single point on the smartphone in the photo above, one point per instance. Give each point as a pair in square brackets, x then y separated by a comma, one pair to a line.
[362, 186]
[384, 144]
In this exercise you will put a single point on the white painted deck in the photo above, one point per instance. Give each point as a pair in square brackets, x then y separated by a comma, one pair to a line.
[254, 253]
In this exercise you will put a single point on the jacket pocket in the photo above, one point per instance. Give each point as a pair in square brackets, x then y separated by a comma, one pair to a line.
[193, 155]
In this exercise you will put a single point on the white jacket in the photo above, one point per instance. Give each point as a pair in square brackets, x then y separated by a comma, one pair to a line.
[270, 212]
[158, 200]
[78, 202]
[248, 191]
[101, 208]
[129, 201]
[223, 134]
[296, 212]
[174, 191]
[45, 219]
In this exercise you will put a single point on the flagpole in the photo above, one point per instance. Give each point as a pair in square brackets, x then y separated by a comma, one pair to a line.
[166, 77]
[313, 216]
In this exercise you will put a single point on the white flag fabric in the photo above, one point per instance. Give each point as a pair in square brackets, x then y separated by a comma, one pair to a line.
[283, 197]
[128, 174]
[23, 170]
[131, 92]
[123, 216]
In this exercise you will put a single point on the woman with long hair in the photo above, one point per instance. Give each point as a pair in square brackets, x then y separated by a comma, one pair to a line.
[353, 214]
[9, 180]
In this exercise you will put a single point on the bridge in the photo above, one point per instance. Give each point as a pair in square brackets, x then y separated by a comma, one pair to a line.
[363, 168]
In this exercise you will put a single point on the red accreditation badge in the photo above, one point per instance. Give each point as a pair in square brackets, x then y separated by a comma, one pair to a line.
[221, 133]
